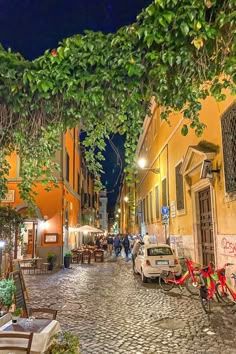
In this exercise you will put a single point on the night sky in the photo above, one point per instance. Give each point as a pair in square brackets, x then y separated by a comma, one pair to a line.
[32, 26]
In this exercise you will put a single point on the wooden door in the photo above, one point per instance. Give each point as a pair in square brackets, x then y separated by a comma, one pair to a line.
[206, 227]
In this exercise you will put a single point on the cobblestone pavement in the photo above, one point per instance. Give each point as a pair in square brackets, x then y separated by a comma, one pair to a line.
[113, 312]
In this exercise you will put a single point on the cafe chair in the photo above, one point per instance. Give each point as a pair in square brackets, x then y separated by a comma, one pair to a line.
[98, 256]
[17, 341]
[86, 256]
[43, 313]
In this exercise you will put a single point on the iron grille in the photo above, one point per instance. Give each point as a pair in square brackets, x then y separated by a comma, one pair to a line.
[164, 194]
[157, 202]
[228, 126]
[179, 187]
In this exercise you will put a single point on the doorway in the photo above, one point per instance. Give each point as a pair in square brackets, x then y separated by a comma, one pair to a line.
[206, 226]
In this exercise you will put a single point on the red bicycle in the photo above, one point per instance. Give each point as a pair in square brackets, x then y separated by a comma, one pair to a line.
[191, 278]
[223, 288]
[207, 287]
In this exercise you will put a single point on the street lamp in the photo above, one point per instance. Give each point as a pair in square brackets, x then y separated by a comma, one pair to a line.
[142, 163]
[126, 199]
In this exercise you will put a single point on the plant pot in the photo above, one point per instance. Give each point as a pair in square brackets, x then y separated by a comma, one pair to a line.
[50, 266]
[67, 261]
[15, 319]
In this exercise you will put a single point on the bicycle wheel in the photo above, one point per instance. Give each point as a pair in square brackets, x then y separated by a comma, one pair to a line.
[205, 302]
[164, 283]
[206, 305]
[224, 294]
[192, 285]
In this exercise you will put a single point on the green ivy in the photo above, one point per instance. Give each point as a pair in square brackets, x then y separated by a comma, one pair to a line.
[179, 52]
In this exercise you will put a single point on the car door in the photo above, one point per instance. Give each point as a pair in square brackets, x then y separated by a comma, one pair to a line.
[139, 259]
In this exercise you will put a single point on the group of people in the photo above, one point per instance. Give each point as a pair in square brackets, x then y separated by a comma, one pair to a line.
[130, 244]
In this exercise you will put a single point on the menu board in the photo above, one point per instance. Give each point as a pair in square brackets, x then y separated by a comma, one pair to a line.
[20, 295]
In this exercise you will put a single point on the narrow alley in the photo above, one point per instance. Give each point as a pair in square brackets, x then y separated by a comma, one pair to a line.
[113, 312]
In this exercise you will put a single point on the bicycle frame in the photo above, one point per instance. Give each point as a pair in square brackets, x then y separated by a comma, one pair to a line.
[223, 281]
[192, 266]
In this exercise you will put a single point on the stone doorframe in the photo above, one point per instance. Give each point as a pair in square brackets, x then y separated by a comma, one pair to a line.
[195, 189]
[191, 171]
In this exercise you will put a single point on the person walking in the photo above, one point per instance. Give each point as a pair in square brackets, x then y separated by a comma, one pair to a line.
[110, 244]
[126, 246]
[116, 244]
[146, 239]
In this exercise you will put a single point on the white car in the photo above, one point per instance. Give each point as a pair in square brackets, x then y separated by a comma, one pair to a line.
[153, 259]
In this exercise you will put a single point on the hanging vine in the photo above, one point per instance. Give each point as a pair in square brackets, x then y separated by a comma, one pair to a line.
[179, 52]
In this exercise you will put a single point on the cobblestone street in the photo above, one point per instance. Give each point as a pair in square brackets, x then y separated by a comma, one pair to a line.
[113, 312]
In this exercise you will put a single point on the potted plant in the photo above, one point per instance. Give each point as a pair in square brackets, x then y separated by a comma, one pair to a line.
[50, 260]
[16, 315]
[64, 342]
[67, 259]
[7, 292]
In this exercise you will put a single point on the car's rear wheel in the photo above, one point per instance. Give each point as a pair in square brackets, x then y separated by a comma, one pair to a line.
[144, 279]
[166, 281]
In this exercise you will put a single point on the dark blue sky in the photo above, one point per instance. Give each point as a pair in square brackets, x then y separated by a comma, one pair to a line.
[32, 26]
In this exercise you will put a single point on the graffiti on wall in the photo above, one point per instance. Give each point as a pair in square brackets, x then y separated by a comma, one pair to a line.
[229, 246]
[176, 242]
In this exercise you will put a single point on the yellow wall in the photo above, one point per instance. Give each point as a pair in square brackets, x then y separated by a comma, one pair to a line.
[164, 149]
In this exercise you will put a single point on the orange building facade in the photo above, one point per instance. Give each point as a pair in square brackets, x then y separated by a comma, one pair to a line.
[57, 213]
[187, 193]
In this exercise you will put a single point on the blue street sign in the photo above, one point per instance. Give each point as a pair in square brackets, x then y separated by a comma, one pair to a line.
[165, 210]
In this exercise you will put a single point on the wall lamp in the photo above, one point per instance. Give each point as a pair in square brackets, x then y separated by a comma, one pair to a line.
[142, 163]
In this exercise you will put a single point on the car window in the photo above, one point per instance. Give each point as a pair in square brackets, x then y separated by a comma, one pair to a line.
[141, 251]
[159, 251]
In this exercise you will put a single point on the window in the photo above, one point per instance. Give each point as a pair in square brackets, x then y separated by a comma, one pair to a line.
[143, 211]
[228, 126]
[67, 166]
[147, 209]
[164, 194]
[157, 202]
[151, 208]
[159, 251]
[100, 216]
[179, 187]
[141, 251]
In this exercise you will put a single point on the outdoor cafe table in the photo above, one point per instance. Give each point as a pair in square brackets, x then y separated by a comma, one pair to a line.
[43, 329]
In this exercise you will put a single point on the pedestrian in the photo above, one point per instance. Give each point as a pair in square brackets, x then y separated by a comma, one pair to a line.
[146, 239]
[117, 244]
[138, 242]
[98, 242]
[110, 244]
[126, 246]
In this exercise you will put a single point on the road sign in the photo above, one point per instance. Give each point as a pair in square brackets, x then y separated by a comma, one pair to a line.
[165, 210]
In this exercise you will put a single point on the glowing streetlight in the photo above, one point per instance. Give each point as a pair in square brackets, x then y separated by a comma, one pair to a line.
[142, 163]
[126, 199]
[119, 210]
